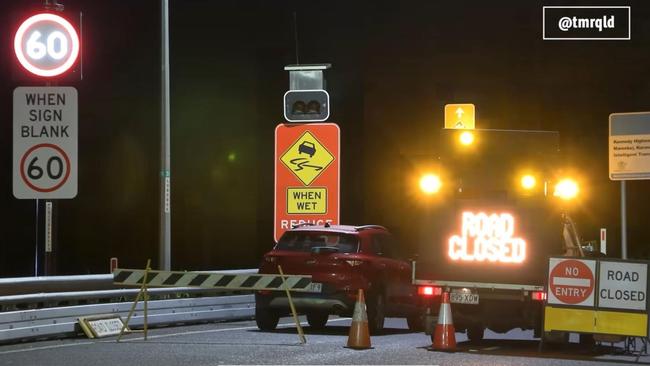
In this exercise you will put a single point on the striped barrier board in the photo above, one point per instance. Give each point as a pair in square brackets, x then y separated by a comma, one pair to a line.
[134, 277]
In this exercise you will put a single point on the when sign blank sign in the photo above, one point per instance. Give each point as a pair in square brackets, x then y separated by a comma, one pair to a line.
[623, 285]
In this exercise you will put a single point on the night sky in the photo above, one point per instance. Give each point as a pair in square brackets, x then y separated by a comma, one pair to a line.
[395, 65]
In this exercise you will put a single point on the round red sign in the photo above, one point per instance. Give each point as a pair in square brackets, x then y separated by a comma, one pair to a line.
[571, 282]
[46, 45]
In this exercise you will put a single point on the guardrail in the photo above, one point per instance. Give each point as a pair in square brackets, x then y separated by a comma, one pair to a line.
[48, 312]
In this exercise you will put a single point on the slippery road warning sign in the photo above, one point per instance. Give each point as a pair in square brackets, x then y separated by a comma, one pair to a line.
[307, 167]
[571, 282]
[307, 158]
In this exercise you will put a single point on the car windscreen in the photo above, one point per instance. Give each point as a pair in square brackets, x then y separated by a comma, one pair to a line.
[305, 241]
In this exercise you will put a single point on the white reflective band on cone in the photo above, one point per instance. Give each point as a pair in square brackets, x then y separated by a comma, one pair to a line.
[359, 313]
[444, 318]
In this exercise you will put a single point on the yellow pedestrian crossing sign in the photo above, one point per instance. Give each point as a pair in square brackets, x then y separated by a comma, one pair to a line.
[459, 116]
[307, 158]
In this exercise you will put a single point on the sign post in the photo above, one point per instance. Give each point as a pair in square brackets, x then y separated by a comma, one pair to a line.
[629, 156]
[47, 46]
[307, 164]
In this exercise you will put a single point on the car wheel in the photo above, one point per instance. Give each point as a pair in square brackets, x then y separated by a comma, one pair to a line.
[475, 333]
[376, 314]
[317, 320]
[266, 318]
[415, 322]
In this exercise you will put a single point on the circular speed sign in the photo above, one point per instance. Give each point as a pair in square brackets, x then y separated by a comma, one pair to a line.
[45, 167]
[46, 45]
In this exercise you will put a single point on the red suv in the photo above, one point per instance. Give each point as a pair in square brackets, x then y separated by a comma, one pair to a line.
[341, 259]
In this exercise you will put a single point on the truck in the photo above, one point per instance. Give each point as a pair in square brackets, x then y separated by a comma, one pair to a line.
[498, 208]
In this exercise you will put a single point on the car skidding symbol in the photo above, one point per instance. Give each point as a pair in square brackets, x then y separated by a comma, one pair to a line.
[301, 163]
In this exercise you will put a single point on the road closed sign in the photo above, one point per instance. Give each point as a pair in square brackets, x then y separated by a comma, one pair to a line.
[623, 285]
[45, 142]
[307, 164]
[571, 281]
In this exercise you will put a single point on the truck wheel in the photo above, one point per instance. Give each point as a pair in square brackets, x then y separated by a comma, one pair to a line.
[415, 322]
[475, 333]
[587, 340]
[317, 320]
[376, 314]
[554, 339]
[266, 319]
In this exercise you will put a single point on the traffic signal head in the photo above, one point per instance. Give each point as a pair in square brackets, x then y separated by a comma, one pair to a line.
[306, 105]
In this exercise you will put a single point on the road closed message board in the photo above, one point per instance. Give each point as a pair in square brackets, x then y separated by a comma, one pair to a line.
[45, 142]
[623, 285]
[307, 164]
[571, 281]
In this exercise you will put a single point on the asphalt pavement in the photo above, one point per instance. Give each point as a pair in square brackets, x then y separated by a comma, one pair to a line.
[242, 343]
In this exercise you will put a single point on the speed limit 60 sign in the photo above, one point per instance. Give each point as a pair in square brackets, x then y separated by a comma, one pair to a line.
[45, 142]
[46, 45]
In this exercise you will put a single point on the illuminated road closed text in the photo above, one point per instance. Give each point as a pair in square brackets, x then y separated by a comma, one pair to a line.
[487, 237]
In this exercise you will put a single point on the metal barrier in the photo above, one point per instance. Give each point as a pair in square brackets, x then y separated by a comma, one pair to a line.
[48, 307]
[63, 321]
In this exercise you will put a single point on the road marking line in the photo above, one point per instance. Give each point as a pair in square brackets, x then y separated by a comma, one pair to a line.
[284, 325]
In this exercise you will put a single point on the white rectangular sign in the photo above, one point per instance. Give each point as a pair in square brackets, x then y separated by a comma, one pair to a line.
[45, 142]
[623, 285]
[629, 146]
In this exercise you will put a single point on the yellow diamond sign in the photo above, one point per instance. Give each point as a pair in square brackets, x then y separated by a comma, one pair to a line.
[307, 158]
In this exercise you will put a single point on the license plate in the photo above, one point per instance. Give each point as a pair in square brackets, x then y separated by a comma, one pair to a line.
[463, 298]
[315, 287]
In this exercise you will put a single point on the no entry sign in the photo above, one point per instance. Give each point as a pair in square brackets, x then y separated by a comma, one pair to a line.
[571, 282]
[306, 175]
[45, 142]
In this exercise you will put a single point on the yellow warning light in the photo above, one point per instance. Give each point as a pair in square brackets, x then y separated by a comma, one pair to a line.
[566, 189]
[528, 181]
[430, 183]
[466, 138]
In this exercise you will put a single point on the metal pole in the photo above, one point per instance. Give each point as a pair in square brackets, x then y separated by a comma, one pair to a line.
[623, 222]
[165, 155]
[36, 251]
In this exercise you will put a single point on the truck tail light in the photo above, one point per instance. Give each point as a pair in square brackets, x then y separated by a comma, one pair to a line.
[538, 295]
[429, 291]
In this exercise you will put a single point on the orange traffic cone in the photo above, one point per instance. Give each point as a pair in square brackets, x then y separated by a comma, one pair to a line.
[359, 337]
[444, 337]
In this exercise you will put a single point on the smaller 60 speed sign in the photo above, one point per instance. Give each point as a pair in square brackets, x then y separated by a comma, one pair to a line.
[45, 167]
